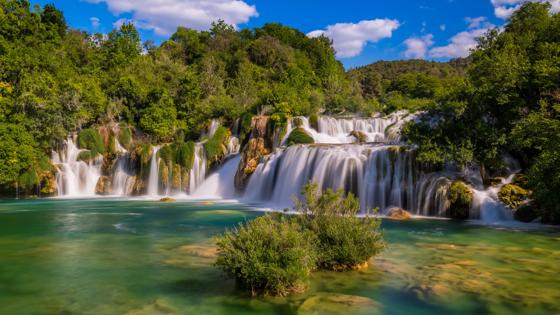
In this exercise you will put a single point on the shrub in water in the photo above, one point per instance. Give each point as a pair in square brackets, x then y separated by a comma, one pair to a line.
[216, 146]
[345, 241]
[271, 255]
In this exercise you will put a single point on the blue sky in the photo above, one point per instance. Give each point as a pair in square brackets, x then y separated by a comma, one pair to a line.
[363, 31]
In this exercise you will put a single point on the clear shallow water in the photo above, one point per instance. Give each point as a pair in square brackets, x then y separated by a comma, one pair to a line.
[147, 257]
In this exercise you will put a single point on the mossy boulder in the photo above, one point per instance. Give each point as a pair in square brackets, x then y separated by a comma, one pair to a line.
[125, 136]
[398, 214]
[167, 199]
[359, 136]
[314, 121]
[334, 303]
[513, 196]
[460, 198]
[299, 136]
[85, 156]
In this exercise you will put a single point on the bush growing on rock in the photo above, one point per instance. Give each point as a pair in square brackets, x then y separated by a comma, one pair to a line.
[513, 196]
[299, 136]
[271, 255]
[90, 139]
[216, 146]
[345, 242]
[460, 200]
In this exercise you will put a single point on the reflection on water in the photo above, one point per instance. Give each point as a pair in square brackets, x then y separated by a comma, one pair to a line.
[145, 257]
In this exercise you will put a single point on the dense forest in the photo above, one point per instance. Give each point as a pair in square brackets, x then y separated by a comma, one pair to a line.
[503, 99]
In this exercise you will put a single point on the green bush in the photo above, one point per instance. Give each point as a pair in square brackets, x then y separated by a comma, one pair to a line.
[513, 196]
[270, 255]
[125, 137]
[216, 146]
[460, 199]
[299, 136]
[345, 242]
[184, 155]
[90, 139]
[314, 121]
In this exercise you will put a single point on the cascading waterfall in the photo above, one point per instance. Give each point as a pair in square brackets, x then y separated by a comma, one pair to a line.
[381, 176]
[123, 177]
[76, 178]
[198, 171]
[337, 130]
[153, 179]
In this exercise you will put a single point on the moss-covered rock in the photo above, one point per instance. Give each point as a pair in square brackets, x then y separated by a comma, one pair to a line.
[299, 136]
[314, 121]
[460, 198]
[184, 155]
[513, 196]
[125, 136]
[334, 303]
[85, 156]
[216, 147]
[90, 139]
[359, 136]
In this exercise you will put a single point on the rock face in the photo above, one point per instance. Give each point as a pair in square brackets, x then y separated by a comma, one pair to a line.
[258, 146]
[398, 214]
[460, 198]
[103, 186]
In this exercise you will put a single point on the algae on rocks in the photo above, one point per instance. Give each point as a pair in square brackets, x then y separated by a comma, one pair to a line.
[460, 198]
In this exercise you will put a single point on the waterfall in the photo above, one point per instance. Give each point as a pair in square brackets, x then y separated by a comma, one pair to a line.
[486, 204]
[76, 178]
[198, 171]
[337, 130]
[220, 183]
[124, 176]
[381, 176]
[153, 179]
[214, 124]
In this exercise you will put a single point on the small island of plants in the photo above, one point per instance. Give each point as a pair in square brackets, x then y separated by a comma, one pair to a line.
[276, 253]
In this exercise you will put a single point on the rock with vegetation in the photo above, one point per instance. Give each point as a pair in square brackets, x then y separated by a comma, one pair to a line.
[90, 139]
[270, 255]
[460, 198]
[299, 136]
[103, 186]
[513, 196]
[314, 121]
[216, 147]
[359, 136]
[258, 146]
[398, 214]
[167, 199]
[526, 213]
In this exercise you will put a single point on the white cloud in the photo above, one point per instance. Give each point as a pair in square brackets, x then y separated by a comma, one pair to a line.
[503, 9]
[95, 22]
[476, 22]
[417, 47]
[349, 39]
[163, 16]
[459, 45]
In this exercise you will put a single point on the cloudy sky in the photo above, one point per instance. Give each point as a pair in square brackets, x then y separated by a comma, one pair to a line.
[363, 31]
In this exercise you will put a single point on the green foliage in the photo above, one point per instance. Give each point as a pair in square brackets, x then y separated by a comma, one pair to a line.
[299, 136]
[90, 139]
[460, 199]
[184, 155]
[513, 195]
[125, 137]
[344, 240]
[215, 147]
[270, 255]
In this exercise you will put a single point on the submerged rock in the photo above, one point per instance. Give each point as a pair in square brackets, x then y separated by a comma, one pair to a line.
[398, 214]
[167, 199]
[334, 303]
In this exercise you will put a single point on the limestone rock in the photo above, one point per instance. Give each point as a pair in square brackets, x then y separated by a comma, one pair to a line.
[103, 186]
[398, 214]
[167, 199]
[360, 136]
